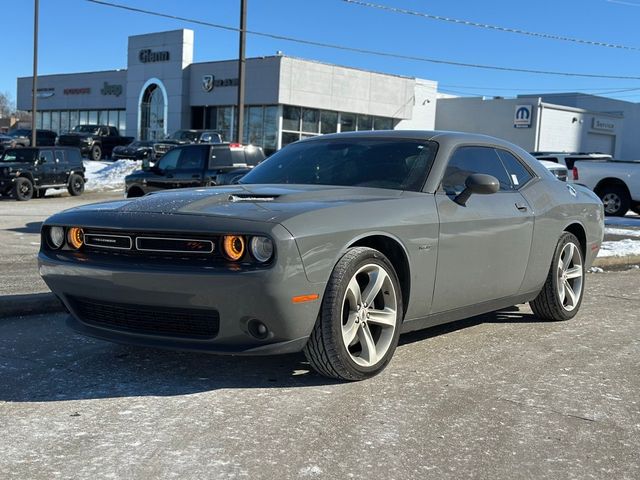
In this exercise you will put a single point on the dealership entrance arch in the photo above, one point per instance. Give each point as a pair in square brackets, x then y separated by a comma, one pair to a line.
[153, 111]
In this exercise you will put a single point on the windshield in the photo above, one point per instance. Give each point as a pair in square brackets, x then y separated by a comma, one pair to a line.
[184, 135]
[395, 164]
[85, 129]
[25, 155]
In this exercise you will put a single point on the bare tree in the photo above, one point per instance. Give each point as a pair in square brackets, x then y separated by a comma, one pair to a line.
[7, 106]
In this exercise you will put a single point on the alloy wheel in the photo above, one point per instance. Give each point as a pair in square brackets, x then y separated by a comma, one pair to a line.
[369, 314]
[612, 202]
[570, 276]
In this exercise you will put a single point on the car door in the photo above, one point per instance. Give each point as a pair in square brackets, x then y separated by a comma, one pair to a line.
[62, 166]
[46, 170]
[483, 247]
[191, 163]
[162, 174]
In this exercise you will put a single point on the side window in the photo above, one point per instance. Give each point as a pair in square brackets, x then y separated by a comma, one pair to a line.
[191, 159]
[113, 132]
[103, 132]
[169, 160]
[468, 160]
[46, 156]
[220, 157]
[519, 174]
[61, 158]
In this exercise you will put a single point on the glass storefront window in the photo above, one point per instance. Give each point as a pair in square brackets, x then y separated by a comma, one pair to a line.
[38, 119]
[288, 137]
[64, 121]
[122, 121]
[270, 130]
[347, 122]
[381, 123]
[224, 122]
[328, 122]
[93, 117]
[309, 120]
[46, 120]
[84, 118]
[55, 121]
[74, 118]
[256, 126]
[365, 122]
[291, 118]
[112, 121]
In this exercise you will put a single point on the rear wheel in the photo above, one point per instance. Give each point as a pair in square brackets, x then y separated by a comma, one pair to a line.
[96, 152]
[23, 189]
[616, 200]
[357, 330]
[76, 185]
[561, 295]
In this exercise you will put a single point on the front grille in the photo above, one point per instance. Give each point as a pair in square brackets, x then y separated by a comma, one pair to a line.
[161, 321]
[162, 148]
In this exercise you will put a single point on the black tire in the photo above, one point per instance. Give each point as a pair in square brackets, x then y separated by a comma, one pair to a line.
[96, 153]
[23, 189]
[548, 305]
[76, 185]
[326, 350]
[40, 193]
[636, 208]
[616, 199]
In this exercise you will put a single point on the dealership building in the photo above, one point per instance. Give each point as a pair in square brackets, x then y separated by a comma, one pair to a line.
[162, 90]
[567, 122]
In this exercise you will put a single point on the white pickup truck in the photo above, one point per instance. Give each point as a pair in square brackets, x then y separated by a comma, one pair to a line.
[616, 182]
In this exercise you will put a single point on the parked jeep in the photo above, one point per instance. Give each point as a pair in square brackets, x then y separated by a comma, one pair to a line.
[28, 172]
[94, 141]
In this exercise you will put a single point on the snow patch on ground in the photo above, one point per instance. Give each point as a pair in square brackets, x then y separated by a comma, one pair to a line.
[620, 248]
[622, 232]
[103, 176]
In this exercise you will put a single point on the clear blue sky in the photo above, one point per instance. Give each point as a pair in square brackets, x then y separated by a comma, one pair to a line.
[78, 36]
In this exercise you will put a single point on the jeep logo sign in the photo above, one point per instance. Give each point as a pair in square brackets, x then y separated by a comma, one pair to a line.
[115, 90]
[148, 56]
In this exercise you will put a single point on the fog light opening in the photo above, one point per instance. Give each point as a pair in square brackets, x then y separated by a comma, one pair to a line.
[257, 329]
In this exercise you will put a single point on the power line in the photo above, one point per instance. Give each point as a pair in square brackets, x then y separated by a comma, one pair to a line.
[362, 50]
[469, 23]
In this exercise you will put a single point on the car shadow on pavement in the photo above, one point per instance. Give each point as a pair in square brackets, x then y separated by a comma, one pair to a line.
[42, 361]
[31, 227]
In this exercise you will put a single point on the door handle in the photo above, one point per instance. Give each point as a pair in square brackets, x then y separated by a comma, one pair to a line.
[522, 207]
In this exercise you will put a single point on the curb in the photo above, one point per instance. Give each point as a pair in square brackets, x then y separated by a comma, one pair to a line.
[29, 304]
[626, 261]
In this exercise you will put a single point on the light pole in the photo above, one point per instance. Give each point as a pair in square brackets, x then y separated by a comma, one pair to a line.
[34, 86]
[241, 67]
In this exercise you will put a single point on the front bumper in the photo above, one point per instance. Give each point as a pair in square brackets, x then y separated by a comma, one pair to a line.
[233, 296]
[6, 184]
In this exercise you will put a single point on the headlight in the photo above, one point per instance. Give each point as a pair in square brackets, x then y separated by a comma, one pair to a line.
[261, 249]
[87, 140]
[233, 247]
[56, 237]
[75, 237]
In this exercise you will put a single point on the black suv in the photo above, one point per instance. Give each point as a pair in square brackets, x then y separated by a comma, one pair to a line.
[28, 172]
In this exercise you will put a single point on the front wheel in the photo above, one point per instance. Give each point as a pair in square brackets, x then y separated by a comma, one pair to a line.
[96, 153]
[561, 295]
[357, 330]
[23, 189]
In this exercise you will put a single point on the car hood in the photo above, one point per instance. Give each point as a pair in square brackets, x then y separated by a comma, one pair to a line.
[265, 203]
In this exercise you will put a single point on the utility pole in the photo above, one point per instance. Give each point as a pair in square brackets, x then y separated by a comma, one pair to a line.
[34, 86]
[241, 69]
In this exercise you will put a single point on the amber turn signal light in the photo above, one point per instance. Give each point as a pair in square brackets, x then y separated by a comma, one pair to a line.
[233, 247]
[305, 298]
[75, 237]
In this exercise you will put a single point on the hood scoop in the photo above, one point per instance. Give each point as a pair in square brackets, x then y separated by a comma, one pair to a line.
[248, 197]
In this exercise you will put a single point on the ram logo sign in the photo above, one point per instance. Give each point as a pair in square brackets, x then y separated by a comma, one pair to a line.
[522, 118]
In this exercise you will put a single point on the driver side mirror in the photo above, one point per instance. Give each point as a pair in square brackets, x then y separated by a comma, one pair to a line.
[479, 184]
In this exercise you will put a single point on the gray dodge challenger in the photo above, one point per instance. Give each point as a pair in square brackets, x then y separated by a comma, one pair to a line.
[334, 245]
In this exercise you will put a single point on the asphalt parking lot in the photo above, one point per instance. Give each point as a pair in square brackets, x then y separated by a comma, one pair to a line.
[502, 396]
[20, 237]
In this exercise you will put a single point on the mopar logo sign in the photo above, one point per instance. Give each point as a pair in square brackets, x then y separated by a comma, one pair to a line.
[522, 118]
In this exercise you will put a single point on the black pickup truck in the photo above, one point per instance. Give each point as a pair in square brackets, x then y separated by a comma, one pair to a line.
[94, 141]
[28, 172]
[194, 166]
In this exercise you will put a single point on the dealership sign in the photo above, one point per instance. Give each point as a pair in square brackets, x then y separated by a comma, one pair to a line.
[115, 90]
[209, 82]
[149, 56]
[522, 117]
[45, 92]
[603, 124]
[77, 91]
